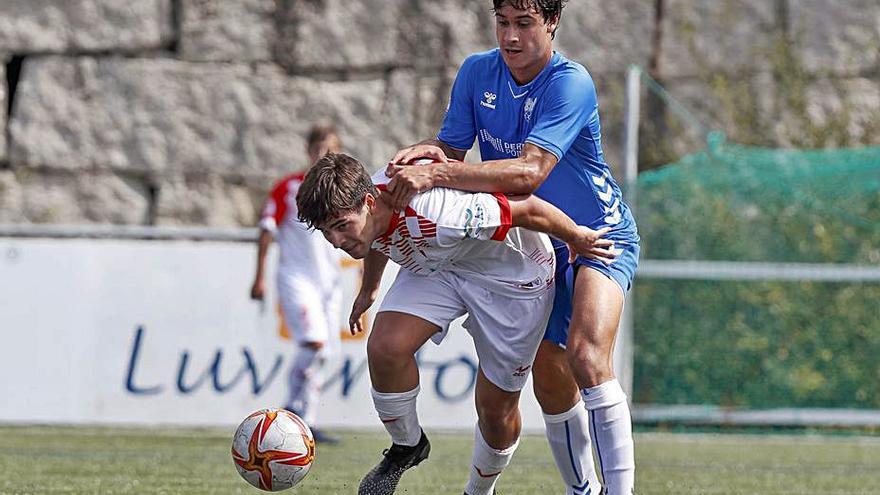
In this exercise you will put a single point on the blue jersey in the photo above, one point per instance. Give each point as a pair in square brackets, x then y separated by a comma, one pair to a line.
[556, 111]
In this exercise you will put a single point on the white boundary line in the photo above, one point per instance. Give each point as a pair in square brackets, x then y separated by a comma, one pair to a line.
[749, 271]
[128, 232]
[712, 415]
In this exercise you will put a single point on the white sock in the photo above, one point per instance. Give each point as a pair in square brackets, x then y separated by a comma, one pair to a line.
[304, 383]
[487, 464]
[568, 434]
[398, 413]
[611, 425]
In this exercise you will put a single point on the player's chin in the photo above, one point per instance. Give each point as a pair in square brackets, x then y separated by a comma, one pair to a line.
[511, 57]
[357, 252]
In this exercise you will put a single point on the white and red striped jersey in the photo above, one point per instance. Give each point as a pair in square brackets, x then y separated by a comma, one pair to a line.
[470, 234]
[303, 252]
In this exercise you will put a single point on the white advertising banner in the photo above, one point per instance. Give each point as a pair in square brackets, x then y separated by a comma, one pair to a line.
[163, 332]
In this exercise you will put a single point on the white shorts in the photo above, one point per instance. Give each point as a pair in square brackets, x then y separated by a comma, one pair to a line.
[506, 331]
[312, 315]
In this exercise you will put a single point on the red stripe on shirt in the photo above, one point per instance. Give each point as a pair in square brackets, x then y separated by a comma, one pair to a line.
[284, 187]
[504, 228]
[392, 224]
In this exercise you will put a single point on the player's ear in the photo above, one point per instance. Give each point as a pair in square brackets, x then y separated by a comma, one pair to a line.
[551, 25]
[370, 201]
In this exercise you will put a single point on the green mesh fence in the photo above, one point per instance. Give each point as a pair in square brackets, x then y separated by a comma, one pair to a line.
[760, 344]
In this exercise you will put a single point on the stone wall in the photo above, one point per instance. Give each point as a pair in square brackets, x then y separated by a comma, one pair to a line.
[183, 112]
[788, 73]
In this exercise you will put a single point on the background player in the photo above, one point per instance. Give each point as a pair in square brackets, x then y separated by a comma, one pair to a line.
[458, 255]
[309, 286]
[535, 115]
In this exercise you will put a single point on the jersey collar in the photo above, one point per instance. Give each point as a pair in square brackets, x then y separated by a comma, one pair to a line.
[395, 215]
[518, 91]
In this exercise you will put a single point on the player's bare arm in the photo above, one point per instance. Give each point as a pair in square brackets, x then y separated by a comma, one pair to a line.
[534, 213]
[521, 175]
[374, 266]
[258, 289]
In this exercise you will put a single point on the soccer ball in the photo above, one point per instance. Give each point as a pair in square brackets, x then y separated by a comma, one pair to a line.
[273, 449]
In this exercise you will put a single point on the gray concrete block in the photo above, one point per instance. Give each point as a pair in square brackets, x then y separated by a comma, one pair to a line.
[10, 197]
[28, 196]
[340, 33]
[759, 110]
[343, 35]
[840, 112]
[222, 30]
[702, 37]
[207, 200]
[840, 37]
[158, 115]
[59, 26]
[606, 37]
[444, 32]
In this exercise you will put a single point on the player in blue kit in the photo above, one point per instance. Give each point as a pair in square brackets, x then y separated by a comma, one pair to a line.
[535, 116]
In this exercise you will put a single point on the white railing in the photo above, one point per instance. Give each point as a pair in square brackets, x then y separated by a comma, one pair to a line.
[90, 231]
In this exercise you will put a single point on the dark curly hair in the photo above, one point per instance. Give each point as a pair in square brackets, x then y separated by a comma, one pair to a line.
[549, 9]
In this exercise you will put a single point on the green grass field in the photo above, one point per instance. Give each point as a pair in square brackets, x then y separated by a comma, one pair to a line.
[39, 460]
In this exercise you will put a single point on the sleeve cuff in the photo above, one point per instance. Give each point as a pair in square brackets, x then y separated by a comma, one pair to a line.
[504, 227]
[268, 223]
[544, 145]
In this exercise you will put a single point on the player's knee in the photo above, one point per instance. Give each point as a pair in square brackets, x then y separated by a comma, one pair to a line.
[384, 351]
[591, 364]
[555, 389]
[544, 382]
[549, 364]
[497, 412]
[550, 369]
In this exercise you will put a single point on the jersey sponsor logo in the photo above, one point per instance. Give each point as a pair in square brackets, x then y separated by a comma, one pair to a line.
[528, 108]
[488, 100]
[501, 146]
[473, 222]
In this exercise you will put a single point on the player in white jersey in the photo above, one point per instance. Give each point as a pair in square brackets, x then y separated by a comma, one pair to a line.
[309, 288]
[460, 253]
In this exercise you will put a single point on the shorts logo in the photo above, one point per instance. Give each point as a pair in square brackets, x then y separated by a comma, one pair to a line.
[521, 371]
[528, 108]
[489, 101]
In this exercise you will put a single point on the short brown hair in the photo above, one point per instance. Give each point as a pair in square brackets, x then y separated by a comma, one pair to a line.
[320, 133]
[337, 184]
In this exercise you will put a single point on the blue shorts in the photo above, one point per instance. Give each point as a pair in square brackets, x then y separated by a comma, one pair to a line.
[622, 271]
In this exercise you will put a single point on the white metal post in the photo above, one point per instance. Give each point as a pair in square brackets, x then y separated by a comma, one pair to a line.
[623, 357]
